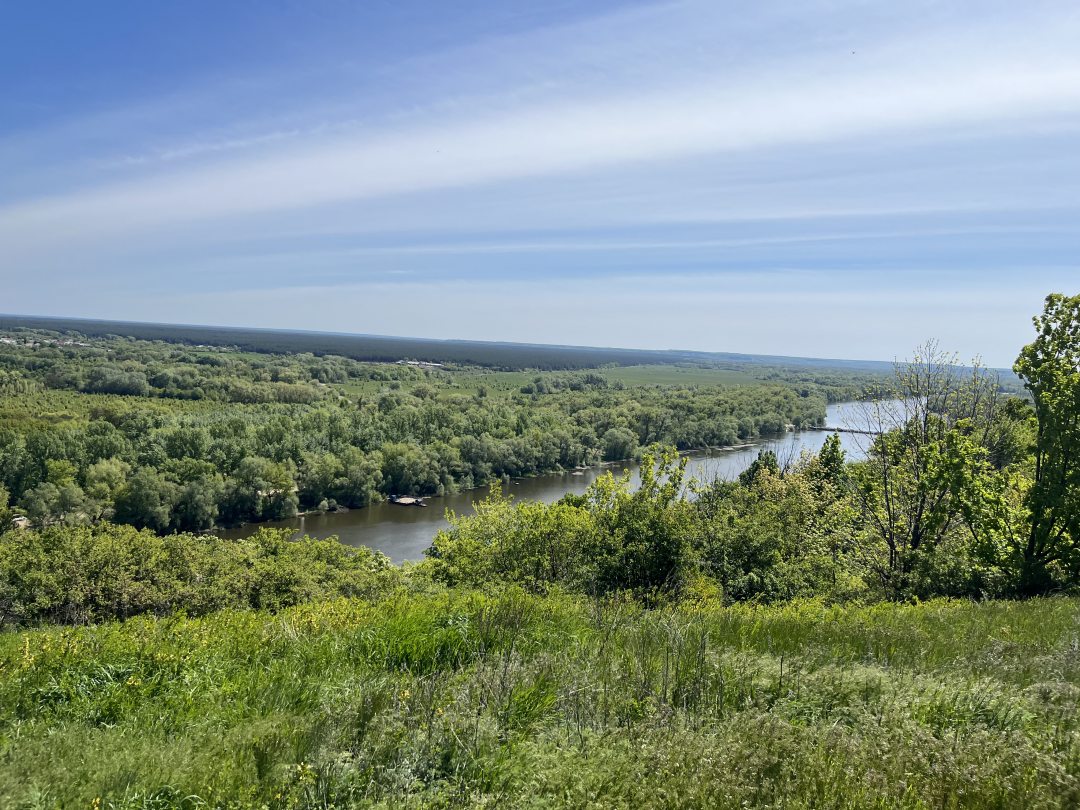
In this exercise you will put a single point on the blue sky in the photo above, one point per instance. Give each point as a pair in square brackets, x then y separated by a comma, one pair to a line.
[829, 178]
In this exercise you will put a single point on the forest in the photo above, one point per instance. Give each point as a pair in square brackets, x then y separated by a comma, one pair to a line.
[378, 348]
[170, 437]
[895, 631]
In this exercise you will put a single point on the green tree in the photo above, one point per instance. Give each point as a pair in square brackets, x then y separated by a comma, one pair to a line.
[40, 503]
[776, 537]
[644, 535]
[196, 507]
[1050, 369]
[907, 488]
[103, 480]
[315, 483]
[146, 500]
[270, 487]
[409, 470]
[60, 472]
[765, 463]
[72, 505]
[5, 512]
[618, 443]
[831, 460]
[533, 544]
[358, 478]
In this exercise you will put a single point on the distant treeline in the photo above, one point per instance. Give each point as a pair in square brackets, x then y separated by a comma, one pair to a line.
[389, 349]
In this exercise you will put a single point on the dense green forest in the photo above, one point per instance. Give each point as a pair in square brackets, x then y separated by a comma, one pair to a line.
[175, 437]
[897, 631]
[507, 356]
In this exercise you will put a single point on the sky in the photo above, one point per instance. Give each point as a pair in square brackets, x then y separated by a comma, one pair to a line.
[827, 178]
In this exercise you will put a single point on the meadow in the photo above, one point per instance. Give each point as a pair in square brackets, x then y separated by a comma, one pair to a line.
[428, 698]
[508, 383]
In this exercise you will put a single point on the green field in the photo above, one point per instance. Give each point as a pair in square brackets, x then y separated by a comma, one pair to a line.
[679, 376]
[517, 701]
[455, 381]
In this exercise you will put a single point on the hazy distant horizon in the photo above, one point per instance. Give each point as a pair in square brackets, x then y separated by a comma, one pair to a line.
[705, 354]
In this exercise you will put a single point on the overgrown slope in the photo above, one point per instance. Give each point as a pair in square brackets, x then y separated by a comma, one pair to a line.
[511, 700]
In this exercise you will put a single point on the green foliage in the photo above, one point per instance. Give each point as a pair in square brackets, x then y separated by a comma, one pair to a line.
[1050, 369]
[318, 432]
[765, 464]
[769, 538]
[510, 700]
[776, 537]
[77, 575]
[613, 539]
[5, 512]
[830, 462]
[146, 500]
[707, 644]
[919, 491]
[534, 544]
[643, 533]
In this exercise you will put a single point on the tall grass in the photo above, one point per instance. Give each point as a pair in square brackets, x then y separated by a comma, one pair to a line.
[510, 700]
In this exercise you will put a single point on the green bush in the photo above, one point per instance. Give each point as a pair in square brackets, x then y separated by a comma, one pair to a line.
[76, 575]
[613, 539]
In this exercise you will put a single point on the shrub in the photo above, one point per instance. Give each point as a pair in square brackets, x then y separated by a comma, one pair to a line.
[75, 575]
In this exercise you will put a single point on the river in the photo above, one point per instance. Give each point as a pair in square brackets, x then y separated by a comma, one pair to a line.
[403, 532]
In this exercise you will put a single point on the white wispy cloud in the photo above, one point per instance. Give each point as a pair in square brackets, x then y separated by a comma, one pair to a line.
[702, 168]
[936, 82]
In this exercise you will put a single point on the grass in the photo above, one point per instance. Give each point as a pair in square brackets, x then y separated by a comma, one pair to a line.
[502, 384]
[71, 408]
[509, 700]
[681, 376]
[52, 408]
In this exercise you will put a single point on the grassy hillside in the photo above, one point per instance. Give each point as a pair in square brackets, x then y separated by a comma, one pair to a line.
[461, 699]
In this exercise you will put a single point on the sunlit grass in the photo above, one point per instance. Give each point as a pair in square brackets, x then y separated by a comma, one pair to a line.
[682, 376]
[515, 700]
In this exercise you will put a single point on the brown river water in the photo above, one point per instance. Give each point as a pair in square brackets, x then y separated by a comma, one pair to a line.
[404, 532]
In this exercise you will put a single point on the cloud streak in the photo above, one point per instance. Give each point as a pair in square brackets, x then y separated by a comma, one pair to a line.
[688, 139]
[821, 101]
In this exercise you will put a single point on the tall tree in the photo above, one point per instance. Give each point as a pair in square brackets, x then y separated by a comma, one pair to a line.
[908, 488]
[145, 500]
[1050, 368]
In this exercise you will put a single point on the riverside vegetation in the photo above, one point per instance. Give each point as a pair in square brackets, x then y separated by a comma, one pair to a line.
[897, 632]
[182, 438]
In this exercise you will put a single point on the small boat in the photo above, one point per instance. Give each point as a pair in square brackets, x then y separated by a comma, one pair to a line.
[408, 500]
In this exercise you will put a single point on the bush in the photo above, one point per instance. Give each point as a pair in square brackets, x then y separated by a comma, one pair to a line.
[611, 540]
[79, 575]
